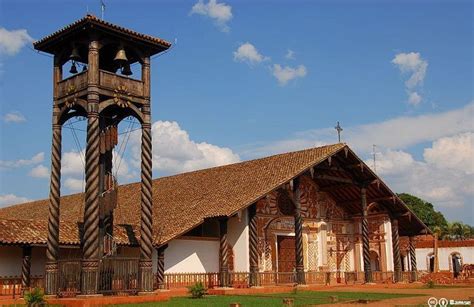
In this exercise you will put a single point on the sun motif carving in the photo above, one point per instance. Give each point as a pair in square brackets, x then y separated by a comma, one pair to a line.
[71, 101]
[122, 96]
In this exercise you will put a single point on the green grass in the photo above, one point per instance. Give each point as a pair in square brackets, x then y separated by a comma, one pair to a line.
[301, 298]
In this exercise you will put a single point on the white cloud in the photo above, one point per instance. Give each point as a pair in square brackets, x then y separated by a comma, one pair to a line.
[14, 117]
[249, 54]
[12, 41]
[454, 153]
[74, 184]
[400, 132]
[221, 13]
[287, 73]
[414, 98]
[11, 199]
[412, 63]
[39, 171]
[174, 151]
[38, 158]
[72, 163]
[290, 54]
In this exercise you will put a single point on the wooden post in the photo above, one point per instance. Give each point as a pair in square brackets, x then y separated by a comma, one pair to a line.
[90, 250]
[397, 264]
[411, 242]
[223, 251]
[25, 269]
[300, 278]
[253, 245]
[365, 237]
[436, 262]
[160, 266]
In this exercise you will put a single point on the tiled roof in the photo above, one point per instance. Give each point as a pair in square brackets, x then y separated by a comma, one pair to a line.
[93, 20]
[180, 202]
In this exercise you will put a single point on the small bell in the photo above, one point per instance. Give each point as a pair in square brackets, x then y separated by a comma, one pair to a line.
[121, 57]
[73, 69]
[126, 71]
[74, 54]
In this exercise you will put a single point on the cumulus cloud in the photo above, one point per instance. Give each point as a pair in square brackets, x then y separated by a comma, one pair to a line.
[12, 41]
[74, 184]
[14, 117]
[415, 66]
[11, 199]
[286, 74]
[221, 13]
[290, 54]
[39, 171]
[72, 163]
[249, 54]
[414, 98]
[174, 151]
[38, 158]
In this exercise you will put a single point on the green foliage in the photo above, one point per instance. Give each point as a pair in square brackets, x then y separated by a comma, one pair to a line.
[430, 284]
[197, 290]
[34, 297]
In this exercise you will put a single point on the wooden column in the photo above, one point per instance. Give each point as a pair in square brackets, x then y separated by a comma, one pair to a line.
[25, 269]
[411, 241]
[365, 237]
[146, 230]
[90, 250]
[397, 263]
[52, 244]
[223, 253]
[300, 278]
[253, 245]
[160, 266]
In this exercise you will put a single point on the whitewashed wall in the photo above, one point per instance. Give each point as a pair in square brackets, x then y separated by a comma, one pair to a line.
[11, 259]
[444, 256]
[191, 256]
[238, 238]
[387, 225]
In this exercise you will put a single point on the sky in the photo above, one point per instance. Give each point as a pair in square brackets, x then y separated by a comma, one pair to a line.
[248, 79]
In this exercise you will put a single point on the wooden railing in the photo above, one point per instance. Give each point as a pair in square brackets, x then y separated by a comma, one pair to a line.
[182, 280]
[11, 285]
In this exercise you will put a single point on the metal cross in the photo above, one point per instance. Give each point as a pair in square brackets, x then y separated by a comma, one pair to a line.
[339, 130]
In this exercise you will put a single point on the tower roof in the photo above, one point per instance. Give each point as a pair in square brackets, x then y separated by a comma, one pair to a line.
[90, 23]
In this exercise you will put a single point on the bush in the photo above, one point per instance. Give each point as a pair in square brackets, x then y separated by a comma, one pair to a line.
[197, 290]
[34, 297]
[430, 284]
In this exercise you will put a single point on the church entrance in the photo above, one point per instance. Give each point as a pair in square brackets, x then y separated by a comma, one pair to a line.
[286, 254]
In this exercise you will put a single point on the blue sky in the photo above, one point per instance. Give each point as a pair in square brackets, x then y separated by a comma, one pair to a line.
[247, 79]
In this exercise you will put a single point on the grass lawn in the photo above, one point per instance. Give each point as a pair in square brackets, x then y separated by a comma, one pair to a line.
[301, 298]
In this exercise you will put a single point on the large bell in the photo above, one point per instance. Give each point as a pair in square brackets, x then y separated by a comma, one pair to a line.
[73, 69]
[75, 54]
[121, 57]
[126, 71]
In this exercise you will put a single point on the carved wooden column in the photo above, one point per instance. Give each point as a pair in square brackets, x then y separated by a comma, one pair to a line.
[300, 278]
[253, 245]
[223, 253]
[365, 237]
[160, 266]
[25, 269]
[52, 249]
[90, 250]
[146, 230]
[397, 263]
[413, 259]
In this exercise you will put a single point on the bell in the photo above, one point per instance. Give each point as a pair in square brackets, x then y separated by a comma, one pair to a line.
[121, 57]
[73, 69]
[74, 54]
[126, 71]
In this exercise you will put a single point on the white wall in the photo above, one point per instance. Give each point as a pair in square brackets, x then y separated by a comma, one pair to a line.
[444, 253]
[11, 260]
[191, 256]
[388, 244]
[238, 238]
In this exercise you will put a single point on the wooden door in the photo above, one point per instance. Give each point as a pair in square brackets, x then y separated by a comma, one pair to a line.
[286, 254]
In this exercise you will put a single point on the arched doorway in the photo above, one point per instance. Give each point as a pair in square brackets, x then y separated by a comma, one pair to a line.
[374, 261]
[456, 263]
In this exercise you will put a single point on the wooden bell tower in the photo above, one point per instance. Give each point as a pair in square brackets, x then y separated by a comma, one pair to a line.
[104, 93]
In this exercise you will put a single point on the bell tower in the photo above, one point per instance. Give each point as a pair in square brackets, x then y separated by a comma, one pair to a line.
[105, 93]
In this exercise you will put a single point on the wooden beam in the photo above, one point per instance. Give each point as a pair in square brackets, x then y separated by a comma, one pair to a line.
[335, 187]
[369, 200]
[334, 178]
